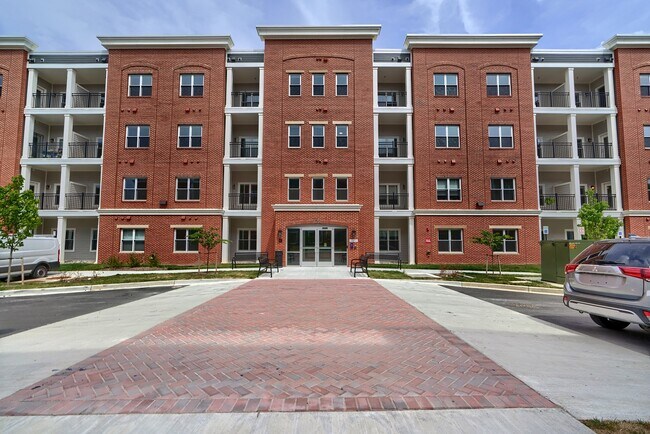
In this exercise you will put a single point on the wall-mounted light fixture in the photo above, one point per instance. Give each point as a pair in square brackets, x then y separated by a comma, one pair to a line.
[353, 234]
[279, 235]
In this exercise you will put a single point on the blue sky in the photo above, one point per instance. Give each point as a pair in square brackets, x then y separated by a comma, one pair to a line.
[59, 25]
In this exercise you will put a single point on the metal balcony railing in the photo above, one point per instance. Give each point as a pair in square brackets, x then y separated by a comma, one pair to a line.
[592, 99]
[243, 201]
[48, 201]
[243, 149]
[246, 99]
[390, 149]
[595, 150]
[391, 99]
[554, 150]
[85, 150]
[552, 99]
[45, 150]
[609, 199]
[48, 100]
[557, 202]
[81, 201]
[88, 100]
[393, 201]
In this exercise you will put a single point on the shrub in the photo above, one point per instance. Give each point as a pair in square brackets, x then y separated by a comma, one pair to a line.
[134, 261]
[113, 262]
[153, 260]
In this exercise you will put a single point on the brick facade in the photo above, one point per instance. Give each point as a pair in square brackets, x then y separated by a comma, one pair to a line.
[12, 101]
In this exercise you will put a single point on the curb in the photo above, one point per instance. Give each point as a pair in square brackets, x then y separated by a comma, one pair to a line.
[516, 288]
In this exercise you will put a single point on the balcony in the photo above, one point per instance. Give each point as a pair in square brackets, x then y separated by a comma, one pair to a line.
[75, 150]
[48, 201]
[552, 99]
[393, 200]
[81, 201]
[592, 99]
[554, 150]
[246, 149]
[392, 149]
[609, 199]
[243, 201]
[391, 99]
[48, 100]
[45, 150]
[557, 202]
[88, 100]
[594, 150]
[246, 99]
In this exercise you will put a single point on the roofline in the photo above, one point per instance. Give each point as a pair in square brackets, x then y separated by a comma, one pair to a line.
[522, 40]
[356, 31]
[69, 53]
[17, 43]
[165, 42]
[571, 51]
[627, 41]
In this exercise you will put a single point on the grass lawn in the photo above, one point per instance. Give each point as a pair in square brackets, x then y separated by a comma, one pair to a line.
[526, 268]
[499, 279]
[387, 274]
[84, 266]
[618, 426]
[129, 278]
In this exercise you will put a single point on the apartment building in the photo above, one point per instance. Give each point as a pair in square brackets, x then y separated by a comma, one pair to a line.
[321, 147]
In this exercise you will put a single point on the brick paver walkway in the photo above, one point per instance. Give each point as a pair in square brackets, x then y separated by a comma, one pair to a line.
[283, 346]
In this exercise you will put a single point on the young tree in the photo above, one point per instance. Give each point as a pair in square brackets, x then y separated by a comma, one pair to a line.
[18, 217]
[492, 240]
[208, 239]
[597, 225]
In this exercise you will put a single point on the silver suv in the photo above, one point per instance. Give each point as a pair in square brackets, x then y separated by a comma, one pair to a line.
[610, 280]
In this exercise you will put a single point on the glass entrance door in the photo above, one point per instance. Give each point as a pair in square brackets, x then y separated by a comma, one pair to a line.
[308, 247]
[325, 247]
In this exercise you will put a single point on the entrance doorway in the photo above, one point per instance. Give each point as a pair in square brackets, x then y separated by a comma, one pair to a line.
[317, 246]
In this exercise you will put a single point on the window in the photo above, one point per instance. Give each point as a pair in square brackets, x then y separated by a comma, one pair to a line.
[389, 240]
[135, 189]
[294, 84]
[447, 136]
[646, 136]
[318, 136]
[191, 85]
[502, 189]
[188, 188]
[294, 136]
[445, 84]
[69, 240]
[97, 192]
[140, 84]
[649, 189]
[448, 188]
[183, 241]
[317, 189]
[247, 195]
[294, 189]
[450, 240]
[318, 84]
[93, 239]
[132, 240]
[247, 240]
[389, 196]
[189, 136]
[500, 136]
[137, 136]
[510, 243]
[645, 84]
[1, 83]
[341, 188]
[341, 84]
[498, 84]
[341, 136]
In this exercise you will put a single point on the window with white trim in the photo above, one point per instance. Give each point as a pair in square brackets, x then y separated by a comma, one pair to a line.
[646, 136]
[188, 188]
[135, 189]
[190, 136]
[500, 136]
[183, 241]
[140, 84]
[247, 194]
[450, 240]
[511, 243]
[502, 189]
[447, 136]
[342, 189]
[68, 244]
[132, 240]
[448, 189]
[445, 84]
[294, 84]
[191, 85]
[294, 189]
[247, 240]
[341, 136]
[294, 136]
[648, 189]
[498, 85]
[1, 83]
[645, 84]
[94, 232]
[318, 136]
[389, 240]
[137, 136]
[318, 84]
[317, 189]
[341, 84]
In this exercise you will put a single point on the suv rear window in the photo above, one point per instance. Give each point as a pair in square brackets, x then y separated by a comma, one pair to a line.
[630, 254]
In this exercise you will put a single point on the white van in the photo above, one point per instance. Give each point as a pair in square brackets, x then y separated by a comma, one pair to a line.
[41, 254]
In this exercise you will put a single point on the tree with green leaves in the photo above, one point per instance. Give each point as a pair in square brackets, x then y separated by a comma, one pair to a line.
[494, 241]
[18, 217]
[597, 225]
[208, 239]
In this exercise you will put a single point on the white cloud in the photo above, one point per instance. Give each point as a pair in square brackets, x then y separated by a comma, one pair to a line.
[433, 12]
[470, 22]
[439, 11]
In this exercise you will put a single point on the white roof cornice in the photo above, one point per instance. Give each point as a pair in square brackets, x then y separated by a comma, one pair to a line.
[17, 43]
[362, 31]
[165, 42]
[523, 40]
[627, 41]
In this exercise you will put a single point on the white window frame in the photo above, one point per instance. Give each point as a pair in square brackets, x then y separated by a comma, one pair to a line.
[346, 189]
[448, 189]
[498, 77]
[445, 83]
[642, 84]
[566, 234]
[299, 83]
[94, 231]
[250, 193]
[1, 84]
[299, 127]
[449, 240]
[289, 189]
[133, 231]
[446, 135]
[192, 128]
[74, 239]
[313, 83]
[57, 194]
[516, 240]
[313, 130]
[188, 189]
[347, 81]
[399, 239]
[336, 130]
[502, 190]
[192, 84]
[97, 192]
[186, 239]
[139, 85]
[646, 136]
[137, 181]
[313, 189]
[501, 136]
[250, 239]
[138, 136]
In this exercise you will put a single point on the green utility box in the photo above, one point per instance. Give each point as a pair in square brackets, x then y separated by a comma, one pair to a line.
[556, 254]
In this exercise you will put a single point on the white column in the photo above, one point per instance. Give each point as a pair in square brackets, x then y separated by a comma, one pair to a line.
[28, 136]
[615, 180]
[613, 135]
[225, 233]
[260, 134]
[228, 87]
[61, 224]
[409, 135]
[532, 80]
[259, 187]
[32, 85]
[261, 87]
[65, 185]
[376, 187]
[411, 240]
[409, 94]
[570, 79]
[228, 135]
[258, 238]
[375, 127]
[609, 87]
[226, 186]
[375, 87]
[70, 86]
[68, 126]
[376, 248]
[575, 185]
[572, 134]
[576, 229]
[26, 173]
[409, 186]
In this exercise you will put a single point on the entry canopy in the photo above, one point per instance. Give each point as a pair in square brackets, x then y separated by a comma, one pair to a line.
[361, 31]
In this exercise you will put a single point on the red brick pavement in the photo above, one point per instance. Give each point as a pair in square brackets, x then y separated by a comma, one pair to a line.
[280, 345]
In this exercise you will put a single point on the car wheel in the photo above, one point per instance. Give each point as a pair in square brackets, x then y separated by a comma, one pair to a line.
[611, 324]
[40, 271]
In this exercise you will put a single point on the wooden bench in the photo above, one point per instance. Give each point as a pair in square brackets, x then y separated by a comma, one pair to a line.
[245, 257]
[361, 265]
[266, 265]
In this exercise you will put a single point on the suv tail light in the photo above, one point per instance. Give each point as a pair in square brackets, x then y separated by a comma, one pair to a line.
[569, 268]
[638, 272]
